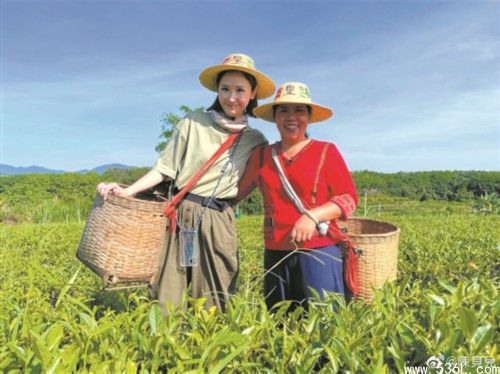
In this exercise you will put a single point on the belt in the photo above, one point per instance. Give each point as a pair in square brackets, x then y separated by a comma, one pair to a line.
[216, 204]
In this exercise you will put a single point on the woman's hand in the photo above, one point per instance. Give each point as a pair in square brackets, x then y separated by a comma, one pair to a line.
[304, 229]
[104, 189]
[150, 179]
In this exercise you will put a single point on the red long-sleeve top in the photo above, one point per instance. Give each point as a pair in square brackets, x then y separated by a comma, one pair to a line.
[334, 184]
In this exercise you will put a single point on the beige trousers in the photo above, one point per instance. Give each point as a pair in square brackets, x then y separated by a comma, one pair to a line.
[215, 276]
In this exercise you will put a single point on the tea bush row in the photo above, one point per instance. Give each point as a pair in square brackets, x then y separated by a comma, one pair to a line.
[55, 318]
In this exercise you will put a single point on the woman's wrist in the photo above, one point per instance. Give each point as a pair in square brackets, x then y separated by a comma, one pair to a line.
[321, 226]
[128, 192]
[311, 216]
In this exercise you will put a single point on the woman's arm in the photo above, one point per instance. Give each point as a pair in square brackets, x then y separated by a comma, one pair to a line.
[326, 212]
[342, 203]
[152, 178]
[342, 188]
[305, 227]
[247, 182]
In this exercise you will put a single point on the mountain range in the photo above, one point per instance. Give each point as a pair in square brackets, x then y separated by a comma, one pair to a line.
[14, 170]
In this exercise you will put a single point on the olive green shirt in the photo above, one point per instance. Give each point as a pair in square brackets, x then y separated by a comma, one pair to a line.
[194, 140]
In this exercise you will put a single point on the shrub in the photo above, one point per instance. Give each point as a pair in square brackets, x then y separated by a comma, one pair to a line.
[487, 204]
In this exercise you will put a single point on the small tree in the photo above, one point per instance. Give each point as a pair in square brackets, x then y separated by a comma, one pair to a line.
[169, 121]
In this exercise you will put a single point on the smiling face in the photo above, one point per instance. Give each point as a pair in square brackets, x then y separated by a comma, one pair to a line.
[292, 121]
[235, 92]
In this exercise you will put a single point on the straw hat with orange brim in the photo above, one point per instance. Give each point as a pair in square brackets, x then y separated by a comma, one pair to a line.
[293, 93]
[240, 62]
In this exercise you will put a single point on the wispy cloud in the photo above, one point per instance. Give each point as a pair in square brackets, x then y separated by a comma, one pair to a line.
[415, 85]
[426, 91]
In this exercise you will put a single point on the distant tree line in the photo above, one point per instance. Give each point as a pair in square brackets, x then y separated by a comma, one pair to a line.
[430, 185]
[29, 198]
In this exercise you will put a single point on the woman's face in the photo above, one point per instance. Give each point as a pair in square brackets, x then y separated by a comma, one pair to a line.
[292, 121]
[235, 92]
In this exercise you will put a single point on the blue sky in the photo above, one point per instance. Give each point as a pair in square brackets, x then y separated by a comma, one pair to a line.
[415, 85]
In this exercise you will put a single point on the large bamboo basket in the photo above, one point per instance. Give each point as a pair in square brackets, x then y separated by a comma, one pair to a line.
[378, 245]
[123, 237]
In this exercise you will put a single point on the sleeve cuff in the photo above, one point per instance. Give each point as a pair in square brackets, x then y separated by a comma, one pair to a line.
[346, 204]
[164, 169]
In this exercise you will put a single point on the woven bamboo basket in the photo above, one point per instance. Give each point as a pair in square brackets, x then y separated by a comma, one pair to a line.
[378, 260]
[123, 237]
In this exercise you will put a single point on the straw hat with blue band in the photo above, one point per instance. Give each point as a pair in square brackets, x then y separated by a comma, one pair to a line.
[240, 62]
[293, 93]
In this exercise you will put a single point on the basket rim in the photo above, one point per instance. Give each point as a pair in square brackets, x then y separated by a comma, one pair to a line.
[115, 198]
[129, 199]
[394, 229]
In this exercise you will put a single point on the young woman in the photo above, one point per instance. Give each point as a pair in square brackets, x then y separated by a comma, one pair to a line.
[296, 256]
[205, 219]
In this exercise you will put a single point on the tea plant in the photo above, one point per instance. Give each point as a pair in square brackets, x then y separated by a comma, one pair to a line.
[54, 317]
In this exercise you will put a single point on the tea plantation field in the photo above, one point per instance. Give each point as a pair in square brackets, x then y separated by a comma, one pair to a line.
[54, 317]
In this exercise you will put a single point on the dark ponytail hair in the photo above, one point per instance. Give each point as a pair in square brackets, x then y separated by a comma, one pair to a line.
[251, 104]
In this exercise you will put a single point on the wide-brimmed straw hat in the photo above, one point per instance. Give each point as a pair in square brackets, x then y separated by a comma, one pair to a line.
[293, 93]
[240, 62]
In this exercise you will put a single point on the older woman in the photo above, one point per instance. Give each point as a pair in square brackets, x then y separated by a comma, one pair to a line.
[298, 255]
[205, 220]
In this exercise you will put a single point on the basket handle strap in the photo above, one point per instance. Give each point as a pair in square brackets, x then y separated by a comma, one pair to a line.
[170, 207]
[350, 258]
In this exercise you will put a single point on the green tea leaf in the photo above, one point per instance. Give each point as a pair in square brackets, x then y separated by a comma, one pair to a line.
[155, 318]
[438, 299]
[227, 359]
[41, 351]
[468, 322]
[482, 336]
[66, 288]
[53, 336]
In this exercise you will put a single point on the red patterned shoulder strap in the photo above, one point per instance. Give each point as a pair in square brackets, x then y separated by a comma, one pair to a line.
[170, 206]
[261, 163]
[320, 166]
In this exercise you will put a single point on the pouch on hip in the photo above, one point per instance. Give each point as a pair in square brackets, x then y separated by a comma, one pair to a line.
[188, 243]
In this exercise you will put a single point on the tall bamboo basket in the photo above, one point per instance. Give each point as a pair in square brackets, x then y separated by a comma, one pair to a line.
[378, 260]
[123, 237]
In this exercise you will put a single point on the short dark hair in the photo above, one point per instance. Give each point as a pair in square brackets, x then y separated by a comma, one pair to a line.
[309, 109]
[251, 104]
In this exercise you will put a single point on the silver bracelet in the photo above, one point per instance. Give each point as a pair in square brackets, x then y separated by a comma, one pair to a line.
[321, 226]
